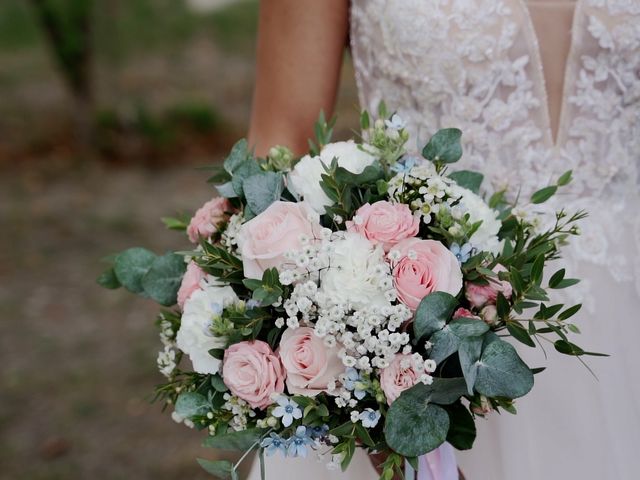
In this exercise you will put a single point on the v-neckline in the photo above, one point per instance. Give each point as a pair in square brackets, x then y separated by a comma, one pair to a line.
[554, 139]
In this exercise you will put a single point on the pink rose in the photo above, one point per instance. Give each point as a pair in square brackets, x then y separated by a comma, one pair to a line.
[264, 240]
[425, 266]
[481, 295]
[385, 223]
[190, 282]
[399, 376]
[206, 220]
[253, 372]
[309, 363]
[464, 313]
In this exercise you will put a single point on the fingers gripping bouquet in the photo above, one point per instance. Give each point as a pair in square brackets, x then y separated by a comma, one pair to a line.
[360, 296]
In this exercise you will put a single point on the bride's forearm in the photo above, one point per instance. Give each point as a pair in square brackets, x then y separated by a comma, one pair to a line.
[299, 54]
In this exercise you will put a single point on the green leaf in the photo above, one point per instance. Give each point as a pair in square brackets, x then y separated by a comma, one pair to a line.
[444, 391]
[218, 468]
[462, 427]
[445, 343]
[108, 279]
[469, 353]
[502, 306]
[537, 269]
[556, 278]
[240, 441]
[544, 194]
[364, 120]
[468, 327]
[131, 266]
[245, 170]
[371, 174]
[501, 372]
[192, 404]
[432, 313]
[364, 436]
[570, 312]
[174, 223]
[565, 178]
[163, 279]
[414, 426]
[468, 179]
[566, 282]
[518, 332]
[568, 348]
[444, 146]
[350, 449]
[218, 384]
[261, 190]
[239, 153]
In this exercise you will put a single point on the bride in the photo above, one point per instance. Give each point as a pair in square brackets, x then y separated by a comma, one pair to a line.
[537, 88]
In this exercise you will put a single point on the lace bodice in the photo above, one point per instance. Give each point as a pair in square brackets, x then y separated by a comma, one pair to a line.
[475, 65]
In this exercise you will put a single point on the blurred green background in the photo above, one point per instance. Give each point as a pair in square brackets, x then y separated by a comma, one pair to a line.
[106, 108]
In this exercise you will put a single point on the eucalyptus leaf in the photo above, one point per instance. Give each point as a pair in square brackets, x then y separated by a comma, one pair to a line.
[414, 426]
[108, 279]
[468, 327]
[501, 372]
[238, 154]
[462, 427]
[226, 190]
[432, 313]
[469, 353]
[163, 279]
[131, 266]
[444, 343]
[262, 189]
[245, 170]
[444, 146]
[192, 404]
[468, 179]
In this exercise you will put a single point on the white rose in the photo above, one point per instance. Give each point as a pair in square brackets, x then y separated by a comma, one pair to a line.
[305, 178]
[194, 337]
[354, 276]
[486, 237]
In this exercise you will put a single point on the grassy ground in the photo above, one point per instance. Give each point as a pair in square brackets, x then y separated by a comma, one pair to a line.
[78, 362]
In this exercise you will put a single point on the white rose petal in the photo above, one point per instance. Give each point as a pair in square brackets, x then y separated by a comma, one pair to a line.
[193, 336]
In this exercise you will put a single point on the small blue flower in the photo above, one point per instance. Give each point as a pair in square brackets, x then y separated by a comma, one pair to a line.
[369, 418]
[462, 253]
[288, 410]
[405, 164]
[396, 122]
[354, 382]
[318, 432]
[297, 444]
[274, 443]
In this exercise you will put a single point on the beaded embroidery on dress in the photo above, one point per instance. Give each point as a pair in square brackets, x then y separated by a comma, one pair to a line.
[475, 64]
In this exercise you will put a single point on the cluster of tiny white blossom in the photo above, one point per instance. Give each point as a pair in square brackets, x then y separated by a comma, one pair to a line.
[166, 360]
[434, 191]
[439, 199]
[364, 324]
[229, 237]
[240, 409]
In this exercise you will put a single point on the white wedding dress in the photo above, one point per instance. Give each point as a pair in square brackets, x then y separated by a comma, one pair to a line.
[482, 66]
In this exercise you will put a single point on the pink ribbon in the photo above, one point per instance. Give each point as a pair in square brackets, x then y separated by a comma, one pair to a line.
[439, 464]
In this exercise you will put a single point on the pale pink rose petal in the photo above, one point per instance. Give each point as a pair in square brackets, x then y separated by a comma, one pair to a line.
[253, 372]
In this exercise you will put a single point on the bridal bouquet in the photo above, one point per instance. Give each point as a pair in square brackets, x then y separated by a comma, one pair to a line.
[360, 296]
